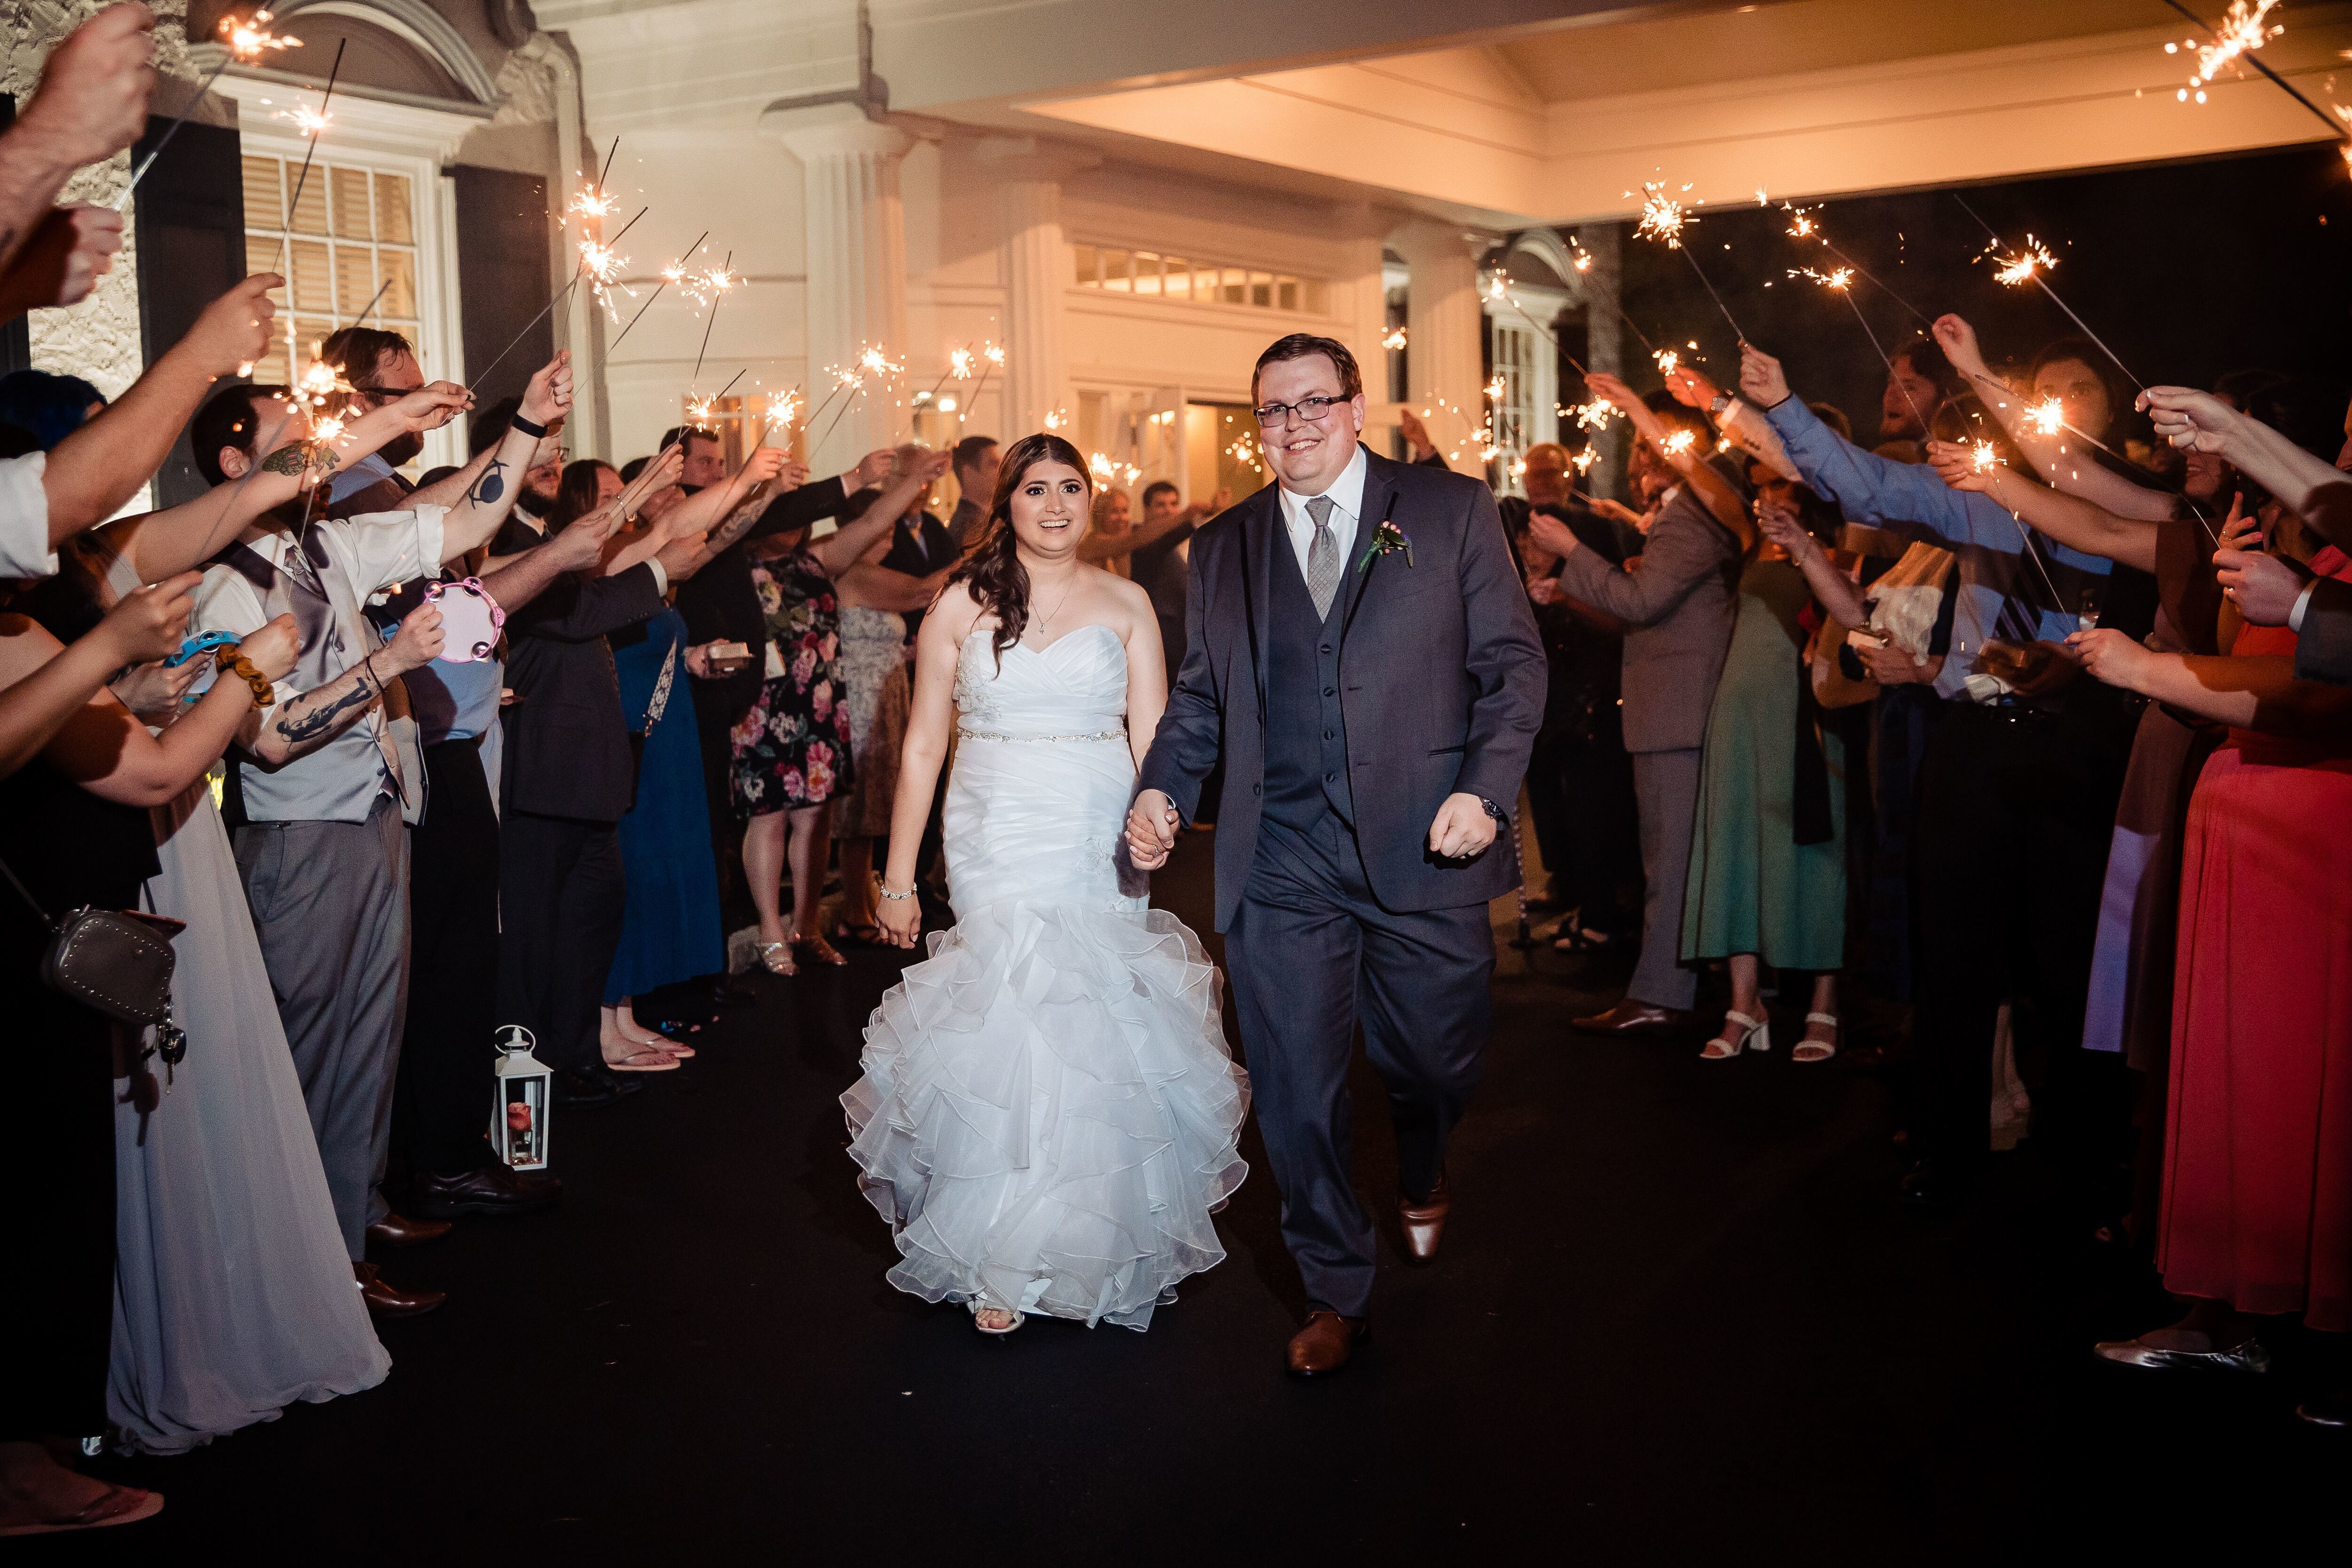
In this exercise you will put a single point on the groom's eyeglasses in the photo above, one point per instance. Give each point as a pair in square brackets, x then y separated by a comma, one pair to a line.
[1313, 410]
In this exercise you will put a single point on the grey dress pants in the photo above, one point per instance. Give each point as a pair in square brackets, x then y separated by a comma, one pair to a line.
[330, 903]
[1665, 785]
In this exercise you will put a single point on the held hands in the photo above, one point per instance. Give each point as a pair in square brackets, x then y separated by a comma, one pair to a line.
[1151, 825]
[900, 919]
[92, 101]
[1462, 829]
[62, 259]
[548, 397]
[1761, 381]
[418, 642]
[150, 622]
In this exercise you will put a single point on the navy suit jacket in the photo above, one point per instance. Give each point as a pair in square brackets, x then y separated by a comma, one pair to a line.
[1441, 679]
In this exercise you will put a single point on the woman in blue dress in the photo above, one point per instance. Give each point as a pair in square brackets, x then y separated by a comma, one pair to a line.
[670, 925]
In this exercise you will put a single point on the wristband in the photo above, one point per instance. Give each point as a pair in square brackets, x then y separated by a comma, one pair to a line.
[526, 426]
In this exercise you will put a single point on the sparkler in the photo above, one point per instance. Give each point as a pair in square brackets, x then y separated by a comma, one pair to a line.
[1663, 219]
[2047, 417]
[993, 356]
[1668, 360]
[708, 322]
[1984, 459]
[1803, 225]
[246, 42]
[2246, 29]
[304, 178]
[1679, 442]
[1394, 341]
[669, 274]
[577, 273]
[2028, 266]
[959, 368]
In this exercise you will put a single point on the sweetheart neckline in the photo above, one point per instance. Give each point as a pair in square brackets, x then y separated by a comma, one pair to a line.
[1041, 653]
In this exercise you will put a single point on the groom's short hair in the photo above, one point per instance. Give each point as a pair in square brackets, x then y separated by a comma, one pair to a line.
[1306, 346]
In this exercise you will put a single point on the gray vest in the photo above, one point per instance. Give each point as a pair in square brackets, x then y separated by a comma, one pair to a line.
[1305, 736]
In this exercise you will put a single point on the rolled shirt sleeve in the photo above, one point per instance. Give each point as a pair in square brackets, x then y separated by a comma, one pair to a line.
[225, 601]
[386, 548]
[24, 518]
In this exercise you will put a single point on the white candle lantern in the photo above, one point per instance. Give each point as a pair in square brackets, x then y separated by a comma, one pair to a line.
[526, 1088]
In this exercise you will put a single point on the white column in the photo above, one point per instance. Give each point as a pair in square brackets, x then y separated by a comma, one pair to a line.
[1444, 329]
[1034, 263]
[856, 237]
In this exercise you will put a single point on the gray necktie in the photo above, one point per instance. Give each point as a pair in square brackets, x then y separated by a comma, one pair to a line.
[1322, 557]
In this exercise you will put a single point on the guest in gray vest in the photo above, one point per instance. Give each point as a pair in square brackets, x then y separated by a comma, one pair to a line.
[317, 792]
[1361, 656]
[1678, 610]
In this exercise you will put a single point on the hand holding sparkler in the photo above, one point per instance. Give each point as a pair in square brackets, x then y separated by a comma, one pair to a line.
[1761, 380]
[547, 397]
[1690, 388]
[873, 468]
[1972, 465]
[92, 100]
[235, 329]
[1416, 435]
[2263, 586]
[1958, 340]
[68, 250]
[2192, 420]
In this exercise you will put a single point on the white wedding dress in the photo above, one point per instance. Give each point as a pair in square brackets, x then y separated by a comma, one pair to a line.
[1048, 1114]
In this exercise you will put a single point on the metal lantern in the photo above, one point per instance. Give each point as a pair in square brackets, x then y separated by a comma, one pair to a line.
[526, 1088]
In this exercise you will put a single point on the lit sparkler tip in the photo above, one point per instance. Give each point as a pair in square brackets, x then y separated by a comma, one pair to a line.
[1585, 459]
[994, 355]
[2242, 29]
[2048, 416]
[2021, 268]
[1984, 457]
[1836, 282]
[960, 364]
[246, 39]
[1596, 415]
[1661, 215]
[1668, 359]
[1394, 340]
[1679, 442]
[306, 120]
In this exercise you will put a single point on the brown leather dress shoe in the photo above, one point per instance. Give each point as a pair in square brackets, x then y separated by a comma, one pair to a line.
[1425, 1222]
[1324, 1346]
[1629, 1016]
[399, 1230]
[387, 1300]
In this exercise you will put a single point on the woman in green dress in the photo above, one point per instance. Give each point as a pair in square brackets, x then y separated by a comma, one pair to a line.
[1768, 879]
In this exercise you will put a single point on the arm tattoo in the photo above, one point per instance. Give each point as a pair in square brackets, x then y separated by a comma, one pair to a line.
[736, 527]
[292, 458]
[491, 486]
[300, 728]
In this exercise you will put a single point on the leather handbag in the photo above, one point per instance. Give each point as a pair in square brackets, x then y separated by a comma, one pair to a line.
[118, 962]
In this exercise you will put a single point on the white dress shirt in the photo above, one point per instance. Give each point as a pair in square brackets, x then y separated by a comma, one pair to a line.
[1347, 493]
[24, 518]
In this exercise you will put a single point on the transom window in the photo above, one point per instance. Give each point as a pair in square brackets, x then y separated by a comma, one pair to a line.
[1157, 274]
[353, 232]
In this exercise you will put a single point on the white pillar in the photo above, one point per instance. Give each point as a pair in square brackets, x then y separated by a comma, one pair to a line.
[1034, 262]
[856, 237]
[1444, 330]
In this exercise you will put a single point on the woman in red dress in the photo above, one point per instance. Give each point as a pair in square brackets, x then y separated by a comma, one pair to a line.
[2257, 1204]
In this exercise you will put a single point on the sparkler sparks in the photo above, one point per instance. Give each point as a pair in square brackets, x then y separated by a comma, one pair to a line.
[588, 202]
[2047, 417]
[1596, 415]
[1662, 216]
[960, 364]
[1394, 341]
[2014, 271]
[1668, 359]
[1586, 458]
[246, 40]
[1836, 282]
[1984, 458]
[306, 120]
[2242, 29]
[603, 266]
[1800, 224]
[1679, 442]
[874, 361]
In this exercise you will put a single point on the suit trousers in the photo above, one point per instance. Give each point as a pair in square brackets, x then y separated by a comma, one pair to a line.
[440, 1105]
[1310, 953]
[330, 903]
[1665, 784]
[2016, 811]
[560, 895]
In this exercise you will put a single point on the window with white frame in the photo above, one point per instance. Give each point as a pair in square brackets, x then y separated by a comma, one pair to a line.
[349, 233]
[1155, 274]
[1513, 407]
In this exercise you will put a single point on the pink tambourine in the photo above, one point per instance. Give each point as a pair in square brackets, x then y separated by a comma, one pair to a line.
[471, 619]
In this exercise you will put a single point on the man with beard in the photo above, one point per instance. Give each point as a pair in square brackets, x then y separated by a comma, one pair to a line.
[1919, 380]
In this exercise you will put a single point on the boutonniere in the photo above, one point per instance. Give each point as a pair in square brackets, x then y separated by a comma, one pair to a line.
[1387, 539]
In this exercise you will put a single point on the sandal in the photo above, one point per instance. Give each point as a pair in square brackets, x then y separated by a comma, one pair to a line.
[1757, 1032]
[776, 958]
[979, 1307]
[120, 1505]
[643, 1059]
[818, 948]
[1822, 1050]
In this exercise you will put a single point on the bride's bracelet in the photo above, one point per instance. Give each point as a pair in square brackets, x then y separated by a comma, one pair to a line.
[884, 889]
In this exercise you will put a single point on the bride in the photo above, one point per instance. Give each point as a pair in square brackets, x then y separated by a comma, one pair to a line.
[1048, 1114]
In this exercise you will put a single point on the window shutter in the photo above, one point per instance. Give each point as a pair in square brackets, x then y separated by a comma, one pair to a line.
[189, 218]
[502, 276]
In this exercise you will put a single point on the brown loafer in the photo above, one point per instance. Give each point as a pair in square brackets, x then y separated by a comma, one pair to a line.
[399, 1230]
[387, 1300]
[1629, 1016]
[1324, 1346]
[1425, 1222]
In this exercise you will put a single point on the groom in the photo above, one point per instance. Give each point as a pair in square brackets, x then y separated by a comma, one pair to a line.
[1360, 655]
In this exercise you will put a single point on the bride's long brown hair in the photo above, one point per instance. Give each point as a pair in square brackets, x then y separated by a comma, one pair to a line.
[993, 574]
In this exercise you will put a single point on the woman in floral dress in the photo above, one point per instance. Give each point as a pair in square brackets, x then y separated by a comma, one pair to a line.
[791, 750]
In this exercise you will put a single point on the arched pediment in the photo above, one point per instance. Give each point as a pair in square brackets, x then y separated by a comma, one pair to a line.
[440, 50]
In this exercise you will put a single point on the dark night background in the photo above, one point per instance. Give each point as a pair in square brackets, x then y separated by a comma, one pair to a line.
[2187, 270]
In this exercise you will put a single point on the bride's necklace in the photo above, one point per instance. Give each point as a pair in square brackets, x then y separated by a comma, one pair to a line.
[1045, 618]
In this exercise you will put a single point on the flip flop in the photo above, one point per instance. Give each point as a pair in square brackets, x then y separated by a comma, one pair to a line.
[120, 1505]
[637, 1062]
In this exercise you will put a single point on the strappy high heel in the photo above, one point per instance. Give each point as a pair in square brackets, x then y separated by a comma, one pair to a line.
[1823, 1049]
[776, 958]
[818, 949]
[1753, 1032]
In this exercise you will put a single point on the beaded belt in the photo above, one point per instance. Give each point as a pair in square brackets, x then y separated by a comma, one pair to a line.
[989, 735]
